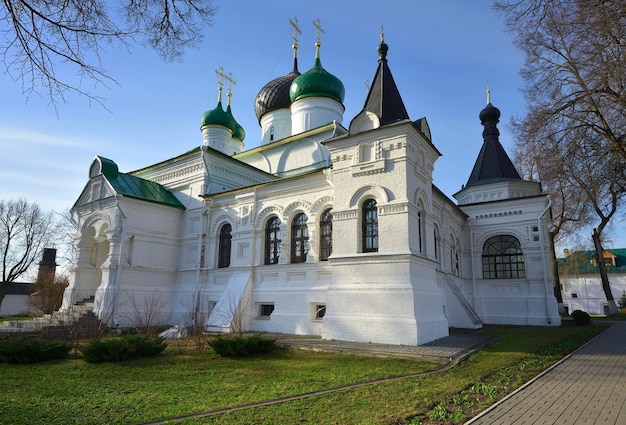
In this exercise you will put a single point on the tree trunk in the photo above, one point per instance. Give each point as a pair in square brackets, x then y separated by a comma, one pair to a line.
[555, 274]
[597, 243]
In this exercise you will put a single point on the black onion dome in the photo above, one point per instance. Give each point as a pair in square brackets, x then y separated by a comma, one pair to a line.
[489, 114]
[275, 94]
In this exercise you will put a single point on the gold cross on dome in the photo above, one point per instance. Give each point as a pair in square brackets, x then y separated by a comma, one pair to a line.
[317, 24]
[382, 34]
[296, 30]
[220, 77]
[230, 80]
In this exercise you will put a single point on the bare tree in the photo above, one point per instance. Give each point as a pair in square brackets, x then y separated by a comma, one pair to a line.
[67, 228]
[47, 293]
[41, 38]
[538, 161]
[145, 313]
[575, 63]
[24, 231]
[576, 94]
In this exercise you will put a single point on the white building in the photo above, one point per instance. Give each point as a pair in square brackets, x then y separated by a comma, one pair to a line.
[328, 228]
[581, 285]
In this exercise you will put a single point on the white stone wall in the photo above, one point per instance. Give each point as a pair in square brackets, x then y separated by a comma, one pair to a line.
[584, 292]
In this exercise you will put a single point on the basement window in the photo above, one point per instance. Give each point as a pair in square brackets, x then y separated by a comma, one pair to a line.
[319, 311]
[265, 310]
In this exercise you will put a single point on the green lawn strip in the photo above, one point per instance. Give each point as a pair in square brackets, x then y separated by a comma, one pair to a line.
[175, 383]
[409, 400]
[14, 318]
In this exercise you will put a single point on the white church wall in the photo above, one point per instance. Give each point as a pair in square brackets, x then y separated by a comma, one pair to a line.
[584, 292]
[275, 126]
[313, 112]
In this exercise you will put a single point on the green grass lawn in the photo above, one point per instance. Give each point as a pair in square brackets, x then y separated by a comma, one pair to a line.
[185, 380]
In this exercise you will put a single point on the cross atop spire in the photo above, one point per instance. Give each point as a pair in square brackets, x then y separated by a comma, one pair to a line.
[382, 34]
[220, 82]
[488, 94]
[296, 31]
[231, 82]
[318, 25]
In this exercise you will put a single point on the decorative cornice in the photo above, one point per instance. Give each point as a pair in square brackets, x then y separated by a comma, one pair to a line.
[391, 209]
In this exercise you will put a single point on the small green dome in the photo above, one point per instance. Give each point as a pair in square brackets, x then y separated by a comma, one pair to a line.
[218, 116]
[238, 132]
[317, 82]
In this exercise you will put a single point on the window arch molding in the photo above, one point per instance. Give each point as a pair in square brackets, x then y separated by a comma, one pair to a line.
[421, 200]
[98, 221]
[480, 242]
[376, 192]
[218, 222]
[319, 206]
[294, 209]
[265, 213]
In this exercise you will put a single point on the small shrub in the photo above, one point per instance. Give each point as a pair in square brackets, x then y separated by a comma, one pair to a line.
[581, 318]
[241, 346]
[438, 413]
[124, 348]
[23, 351]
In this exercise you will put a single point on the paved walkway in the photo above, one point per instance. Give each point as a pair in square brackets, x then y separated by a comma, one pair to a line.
[587, 387]
[453, 348]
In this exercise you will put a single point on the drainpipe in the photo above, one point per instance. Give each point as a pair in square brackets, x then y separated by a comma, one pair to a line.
[472, 243]
[119, 258]
[543, 256]
[205, 212]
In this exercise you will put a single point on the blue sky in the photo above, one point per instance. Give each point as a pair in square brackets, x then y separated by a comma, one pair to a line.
[440, 53]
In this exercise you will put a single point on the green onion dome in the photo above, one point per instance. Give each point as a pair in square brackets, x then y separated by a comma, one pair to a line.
[219, 117]
[317, 82]
[238, 132]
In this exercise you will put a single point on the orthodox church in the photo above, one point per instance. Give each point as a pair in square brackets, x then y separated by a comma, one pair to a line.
[331, 227]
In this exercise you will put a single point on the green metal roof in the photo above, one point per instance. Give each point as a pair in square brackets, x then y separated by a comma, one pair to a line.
[136, 187]
[582, 262]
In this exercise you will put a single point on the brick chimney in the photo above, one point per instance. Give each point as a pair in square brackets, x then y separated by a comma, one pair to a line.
[48, 265]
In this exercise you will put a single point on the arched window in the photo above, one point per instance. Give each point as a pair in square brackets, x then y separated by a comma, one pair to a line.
[326, 235]
[370, 226]
[299, 238]
[503, 258]
[272, 241]
[436, 240]
[223, 259]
